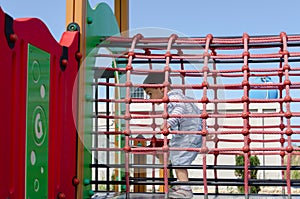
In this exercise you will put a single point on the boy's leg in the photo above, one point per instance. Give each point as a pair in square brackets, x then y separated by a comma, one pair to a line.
[182, 175]
[181, 191]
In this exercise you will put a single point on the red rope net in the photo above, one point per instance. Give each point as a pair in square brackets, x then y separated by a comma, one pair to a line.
[242, 112]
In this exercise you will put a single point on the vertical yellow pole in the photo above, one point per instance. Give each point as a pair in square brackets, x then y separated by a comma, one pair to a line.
[121, 11]
[76, 12]
[140, 159]
[122, 15]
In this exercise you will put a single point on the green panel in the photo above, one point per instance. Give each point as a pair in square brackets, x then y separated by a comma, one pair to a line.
[100, 22]
[38, 82]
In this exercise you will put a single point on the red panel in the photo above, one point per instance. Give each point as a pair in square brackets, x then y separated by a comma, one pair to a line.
[62, 129]
[5, 117]
[13, 123]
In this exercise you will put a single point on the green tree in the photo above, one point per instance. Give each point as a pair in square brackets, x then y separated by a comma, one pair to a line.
[294, 161]
[254, 161]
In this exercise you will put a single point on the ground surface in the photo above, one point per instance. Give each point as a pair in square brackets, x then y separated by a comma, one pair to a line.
[196, 196]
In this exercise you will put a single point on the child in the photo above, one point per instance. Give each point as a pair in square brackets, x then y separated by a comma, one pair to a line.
[180, 124]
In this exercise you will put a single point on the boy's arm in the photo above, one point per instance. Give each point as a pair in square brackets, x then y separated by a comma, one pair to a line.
[175, 109]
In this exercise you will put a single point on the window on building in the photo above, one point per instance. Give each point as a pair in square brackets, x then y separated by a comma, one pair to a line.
[137, 93]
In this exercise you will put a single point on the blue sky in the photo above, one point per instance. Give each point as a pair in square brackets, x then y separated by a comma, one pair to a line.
[191, 17]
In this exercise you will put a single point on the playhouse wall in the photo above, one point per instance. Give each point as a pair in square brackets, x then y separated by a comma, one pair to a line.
[38, 91]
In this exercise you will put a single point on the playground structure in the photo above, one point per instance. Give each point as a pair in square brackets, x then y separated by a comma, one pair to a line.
[72, 128]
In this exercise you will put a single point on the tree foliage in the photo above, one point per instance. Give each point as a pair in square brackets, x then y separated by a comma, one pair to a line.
[254, 161]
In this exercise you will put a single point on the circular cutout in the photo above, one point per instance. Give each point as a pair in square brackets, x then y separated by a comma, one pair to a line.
[32, 158]
[36, 71]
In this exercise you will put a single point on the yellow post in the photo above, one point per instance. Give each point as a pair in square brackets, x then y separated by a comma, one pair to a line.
[76, 12]
[121, 11]
[122, 16]
[140, 159]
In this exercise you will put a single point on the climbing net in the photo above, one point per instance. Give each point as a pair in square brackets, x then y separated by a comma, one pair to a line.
[243, 114]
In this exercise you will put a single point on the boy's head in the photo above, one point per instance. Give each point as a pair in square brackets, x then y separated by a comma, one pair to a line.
[155, 78]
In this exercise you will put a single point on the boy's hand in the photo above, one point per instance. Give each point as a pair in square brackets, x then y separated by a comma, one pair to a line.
[163, 125]
[209, 137]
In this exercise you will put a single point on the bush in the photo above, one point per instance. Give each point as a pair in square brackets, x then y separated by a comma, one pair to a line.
[295, 161]
[254, 161]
